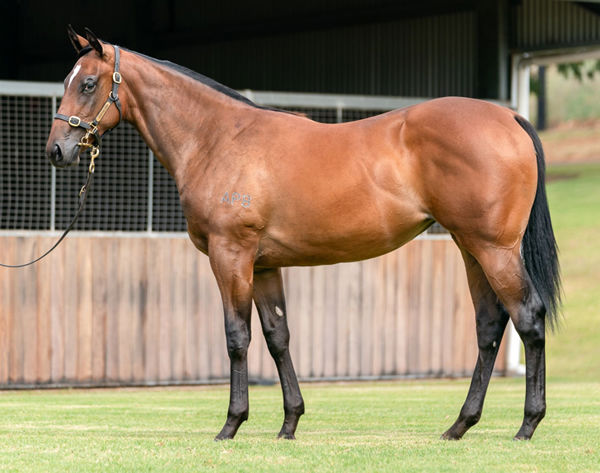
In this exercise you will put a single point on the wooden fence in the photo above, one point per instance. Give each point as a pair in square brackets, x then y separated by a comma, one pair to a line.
[144, 310]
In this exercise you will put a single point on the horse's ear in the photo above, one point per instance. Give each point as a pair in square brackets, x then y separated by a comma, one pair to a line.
[74, 38]
[93, 40]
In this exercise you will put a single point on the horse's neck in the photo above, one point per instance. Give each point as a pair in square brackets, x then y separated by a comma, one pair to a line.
[180, 119]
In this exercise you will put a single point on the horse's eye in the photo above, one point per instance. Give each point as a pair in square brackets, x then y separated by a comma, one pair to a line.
[89, 87]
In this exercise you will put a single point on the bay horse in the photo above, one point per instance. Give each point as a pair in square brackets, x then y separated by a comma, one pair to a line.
[263, 189]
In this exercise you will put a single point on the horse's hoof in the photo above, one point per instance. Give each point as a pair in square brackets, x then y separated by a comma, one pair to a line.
[224, 435]
[448, 435]
[524, 433]
[286, 435]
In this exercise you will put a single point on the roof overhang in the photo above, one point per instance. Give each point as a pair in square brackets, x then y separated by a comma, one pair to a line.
[557, 56]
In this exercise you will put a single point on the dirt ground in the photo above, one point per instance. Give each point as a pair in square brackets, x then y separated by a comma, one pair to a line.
[572, 142]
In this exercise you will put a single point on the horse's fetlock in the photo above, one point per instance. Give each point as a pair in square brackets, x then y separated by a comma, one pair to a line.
[470, 417]
[296, 409]
[536, 413]
[238, 414]
[472, 420]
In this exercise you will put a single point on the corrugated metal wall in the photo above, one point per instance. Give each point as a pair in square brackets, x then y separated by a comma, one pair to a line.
[192, 15]
[548, 24]
[427, 57]
[427, 48]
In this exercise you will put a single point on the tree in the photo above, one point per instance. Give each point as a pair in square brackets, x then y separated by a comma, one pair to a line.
[579, 69]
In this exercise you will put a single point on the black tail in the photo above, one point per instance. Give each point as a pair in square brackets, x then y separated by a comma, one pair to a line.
[539, 248]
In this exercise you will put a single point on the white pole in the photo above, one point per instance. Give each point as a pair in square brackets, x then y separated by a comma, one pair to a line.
[523, 73]
[520, 101]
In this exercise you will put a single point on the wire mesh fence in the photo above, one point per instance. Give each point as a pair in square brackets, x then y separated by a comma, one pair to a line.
[25, 181]
[119, 198]
[132, 191]
[166, 211]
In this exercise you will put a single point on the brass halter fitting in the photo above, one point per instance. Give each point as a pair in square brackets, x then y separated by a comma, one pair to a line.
[89, 141]
[93, 154]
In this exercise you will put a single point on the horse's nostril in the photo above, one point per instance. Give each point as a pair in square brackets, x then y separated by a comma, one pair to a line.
[57, 153]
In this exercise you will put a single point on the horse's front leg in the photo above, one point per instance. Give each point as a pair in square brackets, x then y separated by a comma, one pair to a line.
[270, 301]
[232, 264]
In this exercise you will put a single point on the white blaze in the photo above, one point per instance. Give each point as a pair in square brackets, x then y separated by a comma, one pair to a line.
[75, 71]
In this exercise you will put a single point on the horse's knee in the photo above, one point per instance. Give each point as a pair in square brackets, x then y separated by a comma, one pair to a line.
[237, 348]
[238, 339]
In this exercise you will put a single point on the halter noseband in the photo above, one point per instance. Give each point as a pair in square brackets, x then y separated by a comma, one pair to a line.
[91, 128]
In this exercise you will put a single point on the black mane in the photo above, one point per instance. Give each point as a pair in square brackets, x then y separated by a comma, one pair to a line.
[213, 84]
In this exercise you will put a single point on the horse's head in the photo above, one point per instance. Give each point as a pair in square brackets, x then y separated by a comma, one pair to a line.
[90, 105]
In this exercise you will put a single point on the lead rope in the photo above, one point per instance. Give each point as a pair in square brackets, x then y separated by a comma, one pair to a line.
[95, 152]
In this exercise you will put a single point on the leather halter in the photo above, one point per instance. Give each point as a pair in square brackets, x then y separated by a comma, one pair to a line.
[91, 128]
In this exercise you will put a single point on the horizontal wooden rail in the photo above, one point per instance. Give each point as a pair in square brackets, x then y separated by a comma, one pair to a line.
[105, 311]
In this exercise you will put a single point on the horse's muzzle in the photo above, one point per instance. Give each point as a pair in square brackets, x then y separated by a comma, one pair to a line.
[61, 155]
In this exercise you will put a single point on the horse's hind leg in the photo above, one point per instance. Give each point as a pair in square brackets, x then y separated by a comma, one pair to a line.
[270, 301]
[491, 319]
[530, 322]
[510, 281]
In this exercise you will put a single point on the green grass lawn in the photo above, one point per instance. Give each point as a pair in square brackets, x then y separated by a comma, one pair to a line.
[363, 427]
[574, 351]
